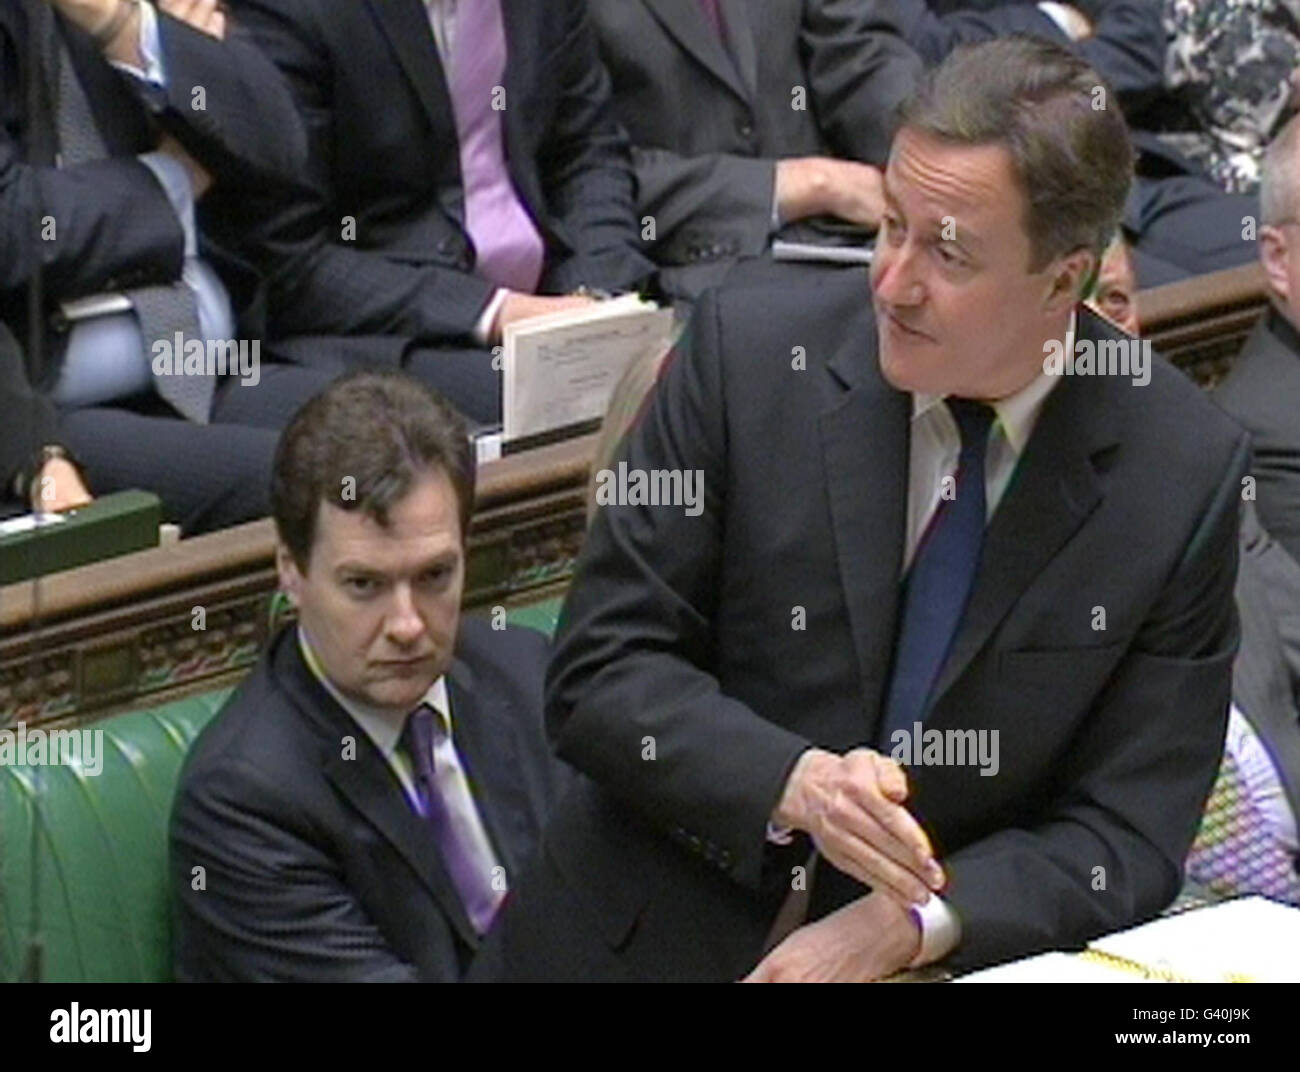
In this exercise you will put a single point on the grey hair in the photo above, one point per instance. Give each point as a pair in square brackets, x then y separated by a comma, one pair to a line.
[1039, 101]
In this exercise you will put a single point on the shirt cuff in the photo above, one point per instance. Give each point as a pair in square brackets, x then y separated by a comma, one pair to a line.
[175, 181]
[1056, 13]
[483, 329]
[779, 835]
[940, 930]
[150, 49]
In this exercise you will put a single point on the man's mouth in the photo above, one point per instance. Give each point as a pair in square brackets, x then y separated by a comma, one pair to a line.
[905, 329]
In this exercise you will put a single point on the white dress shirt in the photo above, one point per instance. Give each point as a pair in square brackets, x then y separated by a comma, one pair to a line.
[384, 728]
[935, 448]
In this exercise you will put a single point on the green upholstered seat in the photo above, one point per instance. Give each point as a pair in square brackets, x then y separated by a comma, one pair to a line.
[98, 877]
[93, 885]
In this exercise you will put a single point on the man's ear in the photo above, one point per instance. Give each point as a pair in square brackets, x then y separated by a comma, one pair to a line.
[1274, 256]
[1069, 276]
[290, 576]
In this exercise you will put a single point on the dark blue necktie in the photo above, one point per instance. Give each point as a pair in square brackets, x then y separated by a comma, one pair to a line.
[939, 583]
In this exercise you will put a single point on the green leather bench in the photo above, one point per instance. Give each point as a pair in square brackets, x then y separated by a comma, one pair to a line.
[86, 872]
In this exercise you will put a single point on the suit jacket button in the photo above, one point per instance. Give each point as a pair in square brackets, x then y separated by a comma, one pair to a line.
[446, 247]
[745, 129]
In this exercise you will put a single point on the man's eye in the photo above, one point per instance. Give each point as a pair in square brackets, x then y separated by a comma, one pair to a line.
[360, 585]
[892, 227]
[437, 575]
[947, 254]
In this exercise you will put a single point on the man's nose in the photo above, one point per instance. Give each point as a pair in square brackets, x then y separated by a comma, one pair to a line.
[896, 279]
[404, 624]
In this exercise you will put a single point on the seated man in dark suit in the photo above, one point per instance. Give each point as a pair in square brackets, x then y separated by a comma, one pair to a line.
[125, 130]
[465, 172]
[207, 476]
[362, 804]
[960, 623]
[752, 121]
[1264, 725]
[1262, 390]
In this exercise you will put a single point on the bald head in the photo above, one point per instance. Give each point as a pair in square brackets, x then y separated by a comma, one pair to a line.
[1278, 194]
[1279, 222]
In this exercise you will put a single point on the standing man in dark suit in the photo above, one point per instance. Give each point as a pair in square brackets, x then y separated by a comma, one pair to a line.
[749, 121]
[363, 803]
[465, 172]
[914, 543]
[128, 133]
[1262, 390]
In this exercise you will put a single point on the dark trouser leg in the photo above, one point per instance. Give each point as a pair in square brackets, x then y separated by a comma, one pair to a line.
[208, 476]
[279, 393]
[464, 377]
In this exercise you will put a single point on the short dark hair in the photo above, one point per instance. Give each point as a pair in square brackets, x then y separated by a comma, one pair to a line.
[360, 445]
[1039, 101]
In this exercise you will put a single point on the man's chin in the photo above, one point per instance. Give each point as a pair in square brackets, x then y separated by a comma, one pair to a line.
[902, 374]
[401, 692]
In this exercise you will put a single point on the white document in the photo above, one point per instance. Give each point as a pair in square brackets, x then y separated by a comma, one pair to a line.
[1250, 939]
[560, 370]
[1052, 968]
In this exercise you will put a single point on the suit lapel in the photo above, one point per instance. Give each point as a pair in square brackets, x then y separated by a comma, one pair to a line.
[369, 784]
[1054, 489]
[684, 20]
[740, 35]
[485, 741]
[406, 25]
[869, 421]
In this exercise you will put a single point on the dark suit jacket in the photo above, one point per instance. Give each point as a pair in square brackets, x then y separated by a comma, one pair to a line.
[29, 421]
[384, 151]
[1266, 677]
[1262, 391]
[317, 869]
[115, 225]
[1127, 46]
[707, 126]
[679, 629]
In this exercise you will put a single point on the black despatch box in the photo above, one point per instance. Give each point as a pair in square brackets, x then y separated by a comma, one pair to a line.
[38, 544]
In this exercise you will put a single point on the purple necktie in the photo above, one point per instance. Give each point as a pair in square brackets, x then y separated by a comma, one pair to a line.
[713, 15]
[474, 887]
[510, 249]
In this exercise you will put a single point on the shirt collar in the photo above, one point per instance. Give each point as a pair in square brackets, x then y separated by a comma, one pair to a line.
[384, 727]
[1018, 413]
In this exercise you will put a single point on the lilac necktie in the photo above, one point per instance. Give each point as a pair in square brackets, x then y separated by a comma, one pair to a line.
[475, 887]
[713, 15]
[510, 249]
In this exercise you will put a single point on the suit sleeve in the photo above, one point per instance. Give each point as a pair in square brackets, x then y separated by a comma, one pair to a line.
[586, 172]
[717, 198]
[29, 418]
[1110, 851]
[861, 70]
[320, 286]
[89, 228]
[227, 104]
[247, 923]
[630, 700]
